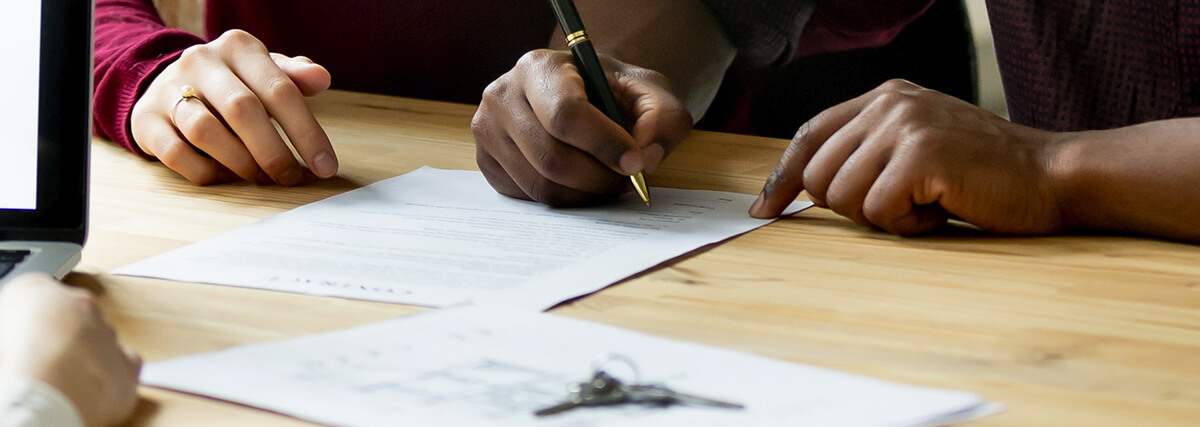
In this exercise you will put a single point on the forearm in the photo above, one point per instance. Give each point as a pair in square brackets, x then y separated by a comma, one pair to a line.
[679, 38]
[1143, 179]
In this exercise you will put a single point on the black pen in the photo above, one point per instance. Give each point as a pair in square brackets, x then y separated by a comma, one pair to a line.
[594, 81]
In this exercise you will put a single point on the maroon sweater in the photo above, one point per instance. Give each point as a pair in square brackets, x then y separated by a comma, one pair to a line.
[446, 49]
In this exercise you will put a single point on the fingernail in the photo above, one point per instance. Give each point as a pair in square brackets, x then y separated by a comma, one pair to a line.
[631, 163]
[757, 207]
[654, 156]
[291, 177]
[325, 165]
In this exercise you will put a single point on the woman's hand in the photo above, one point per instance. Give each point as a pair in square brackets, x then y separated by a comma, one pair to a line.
[226, 132]
[537, 137]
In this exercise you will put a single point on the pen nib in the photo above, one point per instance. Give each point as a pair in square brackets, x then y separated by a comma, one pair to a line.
[639, 184]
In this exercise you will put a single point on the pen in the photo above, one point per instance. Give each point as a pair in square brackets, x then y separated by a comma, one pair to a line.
[594, 82]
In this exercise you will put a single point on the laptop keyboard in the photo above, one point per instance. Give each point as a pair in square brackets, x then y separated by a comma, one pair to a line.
[9, 259]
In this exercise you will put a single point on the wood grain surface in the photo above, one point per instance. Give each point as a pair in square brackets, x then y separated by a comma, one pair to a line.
[1075, 330]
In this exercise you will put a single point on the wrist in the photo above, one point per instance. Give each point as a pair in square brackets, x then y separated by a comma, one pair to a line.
[1074, 178]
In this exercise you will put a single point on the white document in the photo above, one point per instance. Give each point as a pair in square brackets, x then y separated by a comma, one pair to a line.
[495, 366]
[441, 238]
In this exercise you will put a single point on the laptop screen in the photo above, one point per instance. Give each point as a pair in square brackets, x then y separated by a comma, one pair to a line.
[19, 82]
[45, 119]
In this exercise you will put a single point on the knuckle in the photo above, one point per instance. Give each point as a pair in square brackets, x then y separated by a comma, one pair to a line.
[479, 126]
[240, 105]
[551, 164]
[201, 128]
[839, 202]
[562, 113]
[897, 85]
[813, 184]
[540, 191]
[194, 55]
[875, 212]
[278, 88]
[497, 90]
[534, 57]
[169, 154]
[891, 100]
[277, 164]
[239, 38]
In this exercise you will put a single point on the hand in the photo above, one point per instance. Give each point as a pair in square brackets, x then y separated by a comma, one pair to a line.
[228, 133]
[538, 138]
[904, 159]
[56, 334]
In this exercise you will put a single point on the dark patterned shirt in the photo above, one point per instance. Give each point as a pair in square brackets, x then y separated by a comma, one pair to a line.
[1085, 65]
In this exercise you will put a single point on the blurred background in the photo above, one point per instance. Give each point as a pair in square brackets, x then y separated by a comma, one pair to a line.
[922, 66]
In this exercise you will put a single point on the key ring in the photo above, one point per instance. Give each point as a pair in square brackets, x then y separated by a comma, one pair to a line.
[605, 359]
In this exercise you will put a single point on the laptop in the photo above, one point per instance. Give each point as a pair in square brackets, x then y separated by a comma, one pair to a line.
[45, 132]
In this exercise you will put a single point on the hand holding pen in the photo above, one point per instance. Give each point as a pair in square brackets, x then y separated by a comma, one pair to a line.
[539, 138]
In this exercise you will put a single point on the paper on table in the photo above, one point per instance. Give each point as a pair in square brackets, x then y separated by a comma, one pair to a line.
[496, 365]
[440, 238]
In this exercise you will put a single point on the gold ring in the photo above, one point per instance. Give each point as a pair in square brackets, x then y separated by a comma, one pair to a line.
[186, 92]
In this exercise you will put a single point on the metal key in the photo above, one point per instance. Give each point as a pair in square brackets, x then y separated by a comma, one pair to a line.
[652, 394]
[604, 390]
[601, 390]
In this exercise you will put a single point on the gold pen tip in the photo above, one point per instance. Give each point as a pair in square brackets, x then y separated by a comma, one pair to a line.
[639, 184]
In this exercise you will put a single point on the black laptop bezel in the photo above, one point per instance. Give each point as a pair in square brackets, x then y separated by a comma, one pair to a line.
[64, 129]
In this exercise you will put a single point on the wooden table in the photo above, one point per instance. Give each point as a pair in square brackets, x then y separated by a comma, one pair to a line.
[1079, 330]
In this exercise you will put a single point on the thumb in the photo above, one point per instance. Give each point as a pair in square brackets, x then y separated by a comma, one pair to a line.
[310, 77]
[660, 120]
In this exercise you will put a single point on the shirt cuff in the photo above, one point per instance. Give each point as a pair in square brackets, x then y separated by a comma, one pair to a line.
[30, 403]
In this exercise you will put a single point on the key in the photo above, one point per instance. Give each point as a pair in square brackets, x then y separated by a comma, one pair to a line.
[651, 394]
[601, 390]
[604, 390]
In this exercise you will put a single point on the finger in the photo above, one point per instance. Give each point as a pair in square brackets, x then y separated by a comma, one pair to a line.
[309, 77]
[660, 120]
[848, 189]
[245, 114]
[555, 160]
[284, 101]
[833, 155]
[561, 105]
[206, 132]
[533, 184]
[163, 141]
[787, 180]
[899, 203]
[498, 177]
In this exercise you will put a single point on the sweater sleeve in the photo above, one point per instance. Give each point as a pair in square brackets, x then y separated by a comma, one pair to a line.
[27, 403]
[764, 31]
[132, 47]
